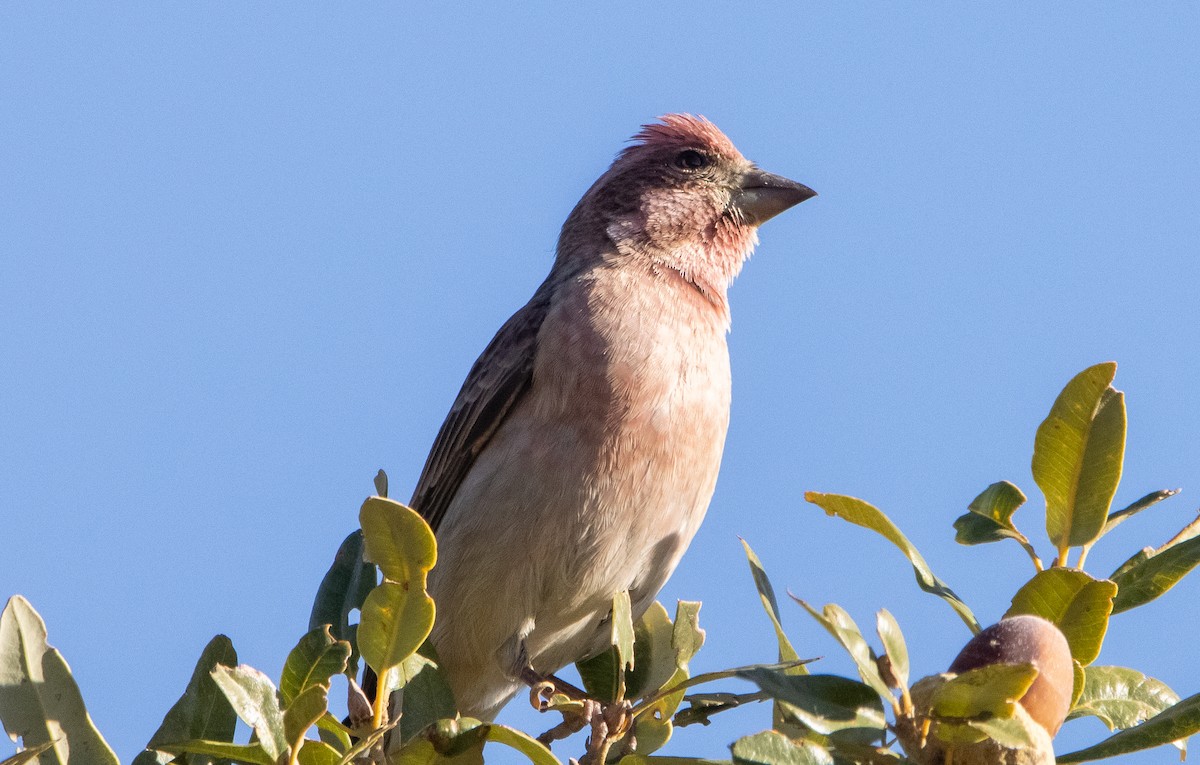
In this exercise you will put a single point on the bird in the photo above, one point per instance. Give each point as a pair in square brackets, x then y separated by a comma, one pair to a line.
[582, 451]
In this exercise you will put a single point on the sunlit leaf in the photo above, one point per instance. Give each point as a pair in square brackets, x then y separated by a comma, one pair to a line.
[1153, 573]
[39, 700]
[839, 624]
[894, 646]
[398, 540]
[1121, 697]
[770, 604]
[318, 753]
[1177, 722]
[28, 755]
[860, 513]
[252, 695]
[397, 615]
[991, 690]
[654, 654]
[603, 675]
[1074, 602]
[686, 635]
[989, 516]
[314, 660]
[1153, 498]
[535, 751]
[1016, 731]
[303, 712]
[1078, 454]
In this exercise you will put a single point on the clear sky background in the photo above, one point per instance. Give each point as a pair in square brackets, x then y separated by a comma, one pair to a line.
[249, 251]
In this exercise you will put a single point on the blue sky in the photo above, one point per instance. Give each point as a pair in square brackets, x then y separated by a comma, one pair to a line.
[249, 251]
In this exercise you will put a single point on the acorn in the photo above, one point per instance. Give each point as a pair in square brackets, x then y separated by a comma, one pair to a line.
[1032, 640]
[1015, 640]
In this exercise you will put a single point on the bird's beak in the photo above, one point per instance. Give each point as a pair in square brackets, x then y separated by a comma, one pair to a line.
[762, 195]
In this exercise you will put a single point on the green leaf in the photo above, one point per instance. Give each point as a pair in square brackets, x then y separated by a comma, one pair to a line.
[771, 605]
[427, 696]
[252, 695]
[398, 540]
[654, 727]
[1153, 573]
[1013, 732]
[318, 753]
[773, 748]
[603, 675]
[780, 714]
[395, 622]
[894, 647]
[1078, 679]
[839, 624]
[1153, 498]
[397, 615]
[342, 591]
[992, 690]
[655, 654]
[251, 754]
[1139, 557]
[315, 659]
[863, 514]
[27, 755]
[686, 635]
[1121, 697]
[989, 516]
[202, 712]
[1177, 722]
[1078, 454]
[825, 703]
[623, 635]
[303, 712]
[463, 740]
[1076, 603]
[39, 700]
[534, 750]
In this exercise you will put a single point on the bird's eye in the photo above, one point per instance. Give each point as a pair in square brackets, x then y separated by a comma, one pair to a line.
[691, 159]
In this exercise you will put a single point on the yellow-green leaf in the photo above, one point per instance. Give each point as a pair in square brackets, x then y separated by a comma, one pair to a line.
[843, 628]
[1172, 724]
[39, 699]
[868, 516]
[1078, 454]
[1076, 603]
[397, 615]
[398, 540]
[991, 690]
[253, 697]
[894, 646]
[1153, 572]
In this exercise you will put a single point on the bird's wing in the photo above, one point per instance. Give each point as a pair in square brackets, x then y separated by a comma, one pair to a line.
[499, 379]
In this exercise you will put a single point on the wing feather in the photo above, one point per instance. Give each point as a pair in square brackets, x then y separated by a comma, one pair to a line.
[497, 381]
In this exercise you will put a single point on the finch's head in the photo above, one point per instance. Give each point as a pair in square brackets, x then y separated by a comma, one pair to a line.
[682, 196]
